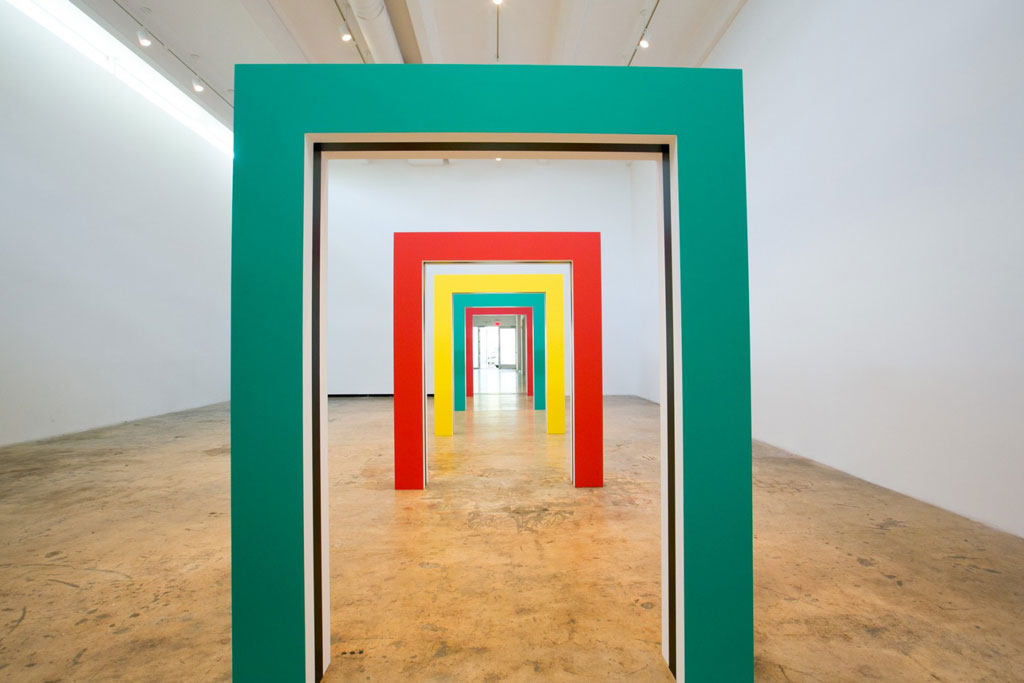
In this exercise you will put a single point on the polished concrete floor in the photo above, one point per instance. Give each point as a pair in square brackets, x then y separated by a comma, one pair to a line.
[114, 560]
[489, 379]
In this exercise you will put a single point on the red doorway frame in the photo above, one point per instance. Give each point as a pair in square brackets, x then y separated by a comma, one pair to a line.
[580, 249]
[499, 310]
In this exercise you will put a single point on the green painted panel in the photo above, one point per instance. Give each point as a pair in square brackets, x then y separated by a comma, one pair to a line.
[714, 308]
[277, 105]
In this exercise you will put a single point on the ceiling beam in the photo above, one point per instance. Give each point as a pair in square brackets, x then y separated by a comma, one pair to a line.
[375, 22]
[404, 31]
[423, 17]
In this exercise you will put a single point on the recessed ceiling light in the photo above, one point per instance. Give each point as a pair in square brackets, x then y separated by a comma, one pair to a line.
[497, 158]
[496, 2]
[346, 35]
[197, 85]
[644, 42]
[145, 40]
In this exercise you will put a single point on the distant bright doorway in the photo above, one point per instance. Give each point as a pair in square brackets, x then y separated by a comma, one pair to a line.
[499, 358]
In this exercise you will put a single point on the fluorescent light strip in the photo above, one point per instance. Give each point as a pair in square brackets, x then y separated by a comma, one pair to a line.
[75, 28]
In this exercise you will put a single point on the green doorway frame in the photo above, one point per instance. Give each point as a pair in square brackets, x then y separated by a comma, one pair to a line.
[282, 114]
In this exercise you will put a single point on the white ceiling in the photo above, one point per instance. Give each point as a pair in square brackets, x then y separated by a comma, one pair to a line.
[208, 37]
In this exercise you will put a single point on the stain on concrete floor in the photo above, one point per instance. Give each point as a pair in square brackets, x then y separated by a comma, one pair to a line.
[500, 569]
[114, 561]
[854, 582]
[114, 553]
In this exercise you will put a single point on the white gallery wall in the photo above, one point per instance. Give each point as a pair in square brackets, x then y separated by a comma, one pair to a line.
[433, 270]
[369, 201]
[114, 247]
[885, 174]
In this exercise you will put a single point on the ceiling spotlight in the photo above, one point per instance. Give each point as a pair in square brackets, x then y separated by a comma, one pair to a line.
[497, 2]
[145, 40]
[346, 35]
[197, 85]
[644, 43]
[497, 158]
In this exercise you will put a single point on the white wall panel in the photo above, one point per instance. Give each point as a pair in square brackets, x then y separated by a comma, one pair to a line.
[369, 202]
[114, 247]
[885, 156]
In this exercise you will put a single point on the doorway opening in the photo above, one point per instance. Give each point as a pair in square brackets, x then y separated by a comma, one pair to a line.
[499, 348]
[499, 355]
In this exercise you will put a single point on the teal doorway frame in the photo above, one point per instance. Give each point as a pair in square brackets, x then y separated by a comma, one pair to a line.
[284, 115]
[461, 302]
